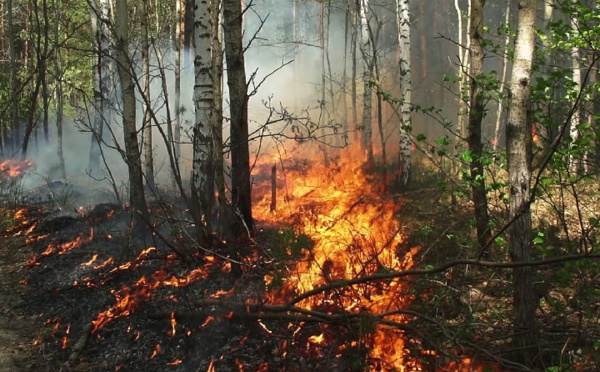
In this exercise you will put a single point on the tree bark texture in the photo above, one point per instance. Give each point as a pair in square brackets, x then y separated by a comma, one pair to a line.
[518, 137]
[238, 103]
[132, 149]
[204, 103]
[476, 113]
[367, 54]
[403, 21]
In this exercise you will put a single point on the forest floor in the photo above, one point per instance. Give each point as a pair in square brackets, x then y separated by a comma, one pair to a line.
[18, 330]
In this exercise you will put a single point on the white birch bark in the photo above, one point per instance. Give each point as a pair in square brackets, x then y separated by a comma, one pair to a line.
[575, 119]
[204, 103]
[367, 54]
[518, 143]
[403, 20]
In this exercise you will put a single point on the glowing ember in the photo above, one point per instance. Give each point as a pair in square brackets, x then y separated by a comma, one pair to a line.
[176, 362]
[356, 234]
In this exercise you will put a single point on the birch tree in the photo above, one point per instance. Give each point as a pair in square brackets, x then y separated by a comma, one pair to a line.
[146, 101]
[403, 21]
[104, 70]
[519, 142]
[204, 103]
[367, 54]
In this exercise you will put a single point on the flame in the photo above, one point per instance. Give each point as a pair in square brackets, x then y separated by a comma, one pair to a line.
[211, 366]
[173, 324]
[15, 168]
[317, 339]
[128, 298]
[356, 233]
[156, 351]
[65, 339]
[91, 261]
[176, 362]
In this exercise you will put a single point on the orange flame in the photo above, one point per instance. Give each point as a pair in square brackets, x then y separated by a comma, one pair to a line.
[355, 233]
[173, 324]
[15, 168]
[65, 339]
[156, 351]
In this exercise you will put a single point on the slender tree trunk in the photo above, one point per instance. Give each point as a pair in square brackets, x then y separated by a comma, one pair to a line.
[496, 141]
[403, 20]
[238, 103]
[43, 69]
[14, 83]
[575, 161]
[146, 100]
[476, 113]
[353, 87]
[204, 101]
[366, 51]
[518, 137]
[103, 79]
[132, 148]
[59, 92]
[179, 48]
[218, 153]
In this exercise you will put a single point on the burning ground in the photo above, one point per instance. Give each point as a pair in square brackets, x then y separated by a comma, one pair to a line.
[107, 297]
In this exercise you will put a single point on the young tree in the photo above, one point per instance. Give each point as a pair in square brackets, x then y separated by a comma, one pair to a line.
[368, 57]
[204, 102]
[519, 143]
[104, 70]
[238, 106]
[476, 113]
[146, 101]
[130, 133]
[403, 21]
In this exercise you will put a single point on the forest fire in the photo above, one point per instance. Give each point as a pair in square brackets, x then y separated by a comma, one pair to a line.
[15, 168]
[355, 234]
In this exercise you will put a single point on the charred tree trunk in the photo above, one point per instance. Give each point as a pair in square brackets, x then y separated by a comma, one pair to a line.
[238, 103]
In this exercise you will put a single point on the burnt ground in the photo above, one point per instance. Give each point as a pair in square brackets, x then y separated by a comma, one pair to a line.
[163, 311]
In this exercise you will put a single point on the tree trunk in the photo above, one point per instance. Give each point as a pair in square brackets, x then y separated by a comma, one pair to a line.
[179, 48]
[146, 119]
[217, 124]
[238, 105]
[476, 112]
[366, 51]
[103, 79]
[14, 73]
[575, 161]
[132, 149]
[59, 93]
[403, 20]
[204, 102]
[500, 111]
[518, 137]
